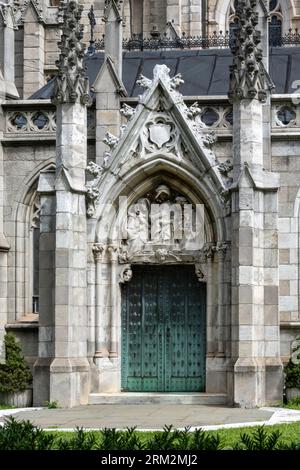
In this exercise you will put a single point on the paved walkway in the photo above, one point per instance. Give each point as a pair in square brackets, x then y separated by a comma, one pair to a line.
[152, 416]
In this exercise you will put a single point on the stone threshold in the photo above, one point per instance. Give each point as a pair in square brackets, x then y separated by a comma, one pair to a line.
[150, 398]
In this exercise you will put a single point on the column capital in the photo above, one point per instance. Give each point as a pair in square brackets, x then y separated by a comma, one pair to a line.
[208, 251]
[221, 249]
[113, 252]
[98, 249]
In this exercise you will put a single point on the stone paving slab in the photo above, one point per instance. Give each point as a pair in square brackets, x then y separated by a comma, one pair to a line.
[142, 416]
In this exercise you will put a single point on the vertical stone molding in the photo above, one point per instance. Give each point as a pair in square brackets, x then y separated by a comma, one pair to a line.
[41, 370]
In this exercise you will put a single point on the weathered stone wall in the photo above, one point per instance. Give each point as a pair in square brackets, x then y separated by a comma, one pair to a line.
[22, 164]
[286, 161]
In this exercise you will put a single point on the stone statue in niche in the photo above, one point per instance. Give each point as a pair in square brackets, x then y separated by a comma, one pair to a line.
[166, 217]
[159, 220]
[138, 224]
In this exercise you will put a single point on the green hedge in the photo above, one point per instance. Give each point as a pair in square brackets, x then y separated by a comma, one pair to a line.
[15, 375]
[23, 435]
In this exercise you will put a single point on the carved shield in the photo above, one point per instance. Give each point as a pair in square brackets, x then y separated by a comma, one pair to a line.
[160, 134]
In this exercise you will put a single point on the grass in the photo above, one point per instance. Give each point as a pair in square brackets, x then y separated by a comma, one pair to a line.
[289, 433]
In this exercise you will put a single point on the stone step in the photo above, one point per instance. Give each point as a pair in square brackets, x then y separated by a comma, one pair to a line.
[147, 398]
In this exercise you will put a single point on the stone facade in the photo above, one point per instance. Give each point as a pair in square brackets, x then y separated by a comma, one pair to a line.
[66, 165]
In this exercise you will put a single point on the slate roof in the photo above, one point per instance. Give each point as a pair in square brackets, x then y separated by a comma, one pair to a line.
[206, 72]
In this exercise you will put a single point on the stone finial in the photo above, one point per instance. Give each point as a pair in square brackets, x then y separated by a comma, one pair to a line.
[72, 83]
[248, 76]
[116, 5]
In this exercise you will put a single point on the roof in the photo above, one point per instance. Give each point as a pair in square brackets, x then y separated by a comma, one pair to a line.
[205, 72]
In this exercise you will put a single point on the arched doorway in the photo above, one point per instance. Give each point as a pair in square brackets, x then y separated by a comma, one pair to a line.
[163, 330]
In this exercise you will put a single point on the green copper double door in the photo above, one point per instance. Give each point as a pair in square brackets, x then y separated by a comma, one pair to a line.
[163, 330]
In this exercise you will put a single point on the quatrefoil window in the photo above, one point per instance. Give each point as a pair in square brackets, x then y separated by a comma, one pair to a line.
[209, 117]
[40, 120]
[286, 115]
[19, 121]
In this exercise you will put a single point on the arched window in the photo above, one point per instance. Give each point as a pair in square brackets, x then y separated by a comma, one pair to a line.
[233, 24]
[275, 25]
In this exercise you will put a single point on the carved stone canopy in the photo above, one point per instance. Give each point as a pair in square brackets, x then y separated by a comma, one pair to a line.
[72, 83]
[248, 76]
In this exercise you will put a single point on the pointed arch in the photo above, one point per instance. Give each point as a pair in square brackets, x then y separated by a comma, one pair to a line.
[223, 12]
[26, 215]
[145, 175]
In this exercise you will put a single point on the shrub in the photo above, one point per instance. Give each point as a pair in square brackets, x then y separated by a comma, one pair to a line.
[259, 439]
[81, 440]
[23, 435]
[15, 374]
[111, 439]
[52, 405]
[292, 369]
[174, 439]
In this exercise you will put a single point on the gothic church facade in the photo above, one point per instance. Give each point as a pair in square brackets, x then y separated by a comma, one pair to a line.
[170, 105]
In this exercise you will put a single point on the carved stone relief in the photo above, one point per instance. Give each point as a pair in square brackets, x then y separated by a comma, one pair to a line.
[160, 227]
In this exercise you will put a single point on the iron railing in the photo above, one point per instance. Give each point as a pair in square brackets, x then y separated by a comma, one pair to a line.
[221, 40]
[162, 41]
[292, 38]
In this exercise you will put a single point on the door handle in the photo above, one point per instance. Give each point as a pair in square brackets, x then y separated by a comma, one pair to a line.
[168, 332]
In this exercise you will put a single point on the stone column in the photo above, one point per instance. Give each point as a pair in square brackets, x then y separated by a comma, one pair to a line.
[34, 55]
[254, 195]
[221, 252]
[7, 51]
[114, 285]
[210, 350]
[101, 349]
[69, 380]
[41, 370]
